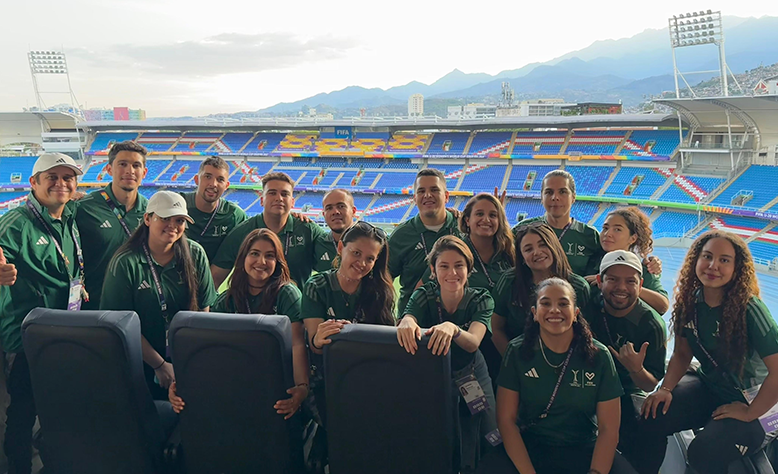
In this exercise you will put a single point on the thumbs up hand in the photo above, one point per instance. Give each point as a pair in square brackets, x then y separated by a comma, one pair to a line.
[7, 271]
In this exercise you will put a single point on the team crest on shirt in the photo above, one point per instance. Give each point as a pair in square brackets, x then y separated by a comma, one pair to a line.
[619, 340]
[575, 383]
[589, 379]
[574, 250]
[219, 231]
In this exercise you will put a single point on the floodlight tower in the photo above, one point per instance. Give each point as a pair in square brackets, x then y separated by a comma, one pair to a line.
[50, 63]
[695, 29]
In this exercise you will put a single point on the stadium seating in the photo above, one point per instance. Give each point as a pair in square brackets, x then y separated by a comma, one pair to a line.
[520, 176]
[407, 144]
[196, 142]
[388, 208]
[400, 164]
[690, 188]
[635, 181]
[452, 173]
[104, 140]
[530, 207]
[235, 141]
[295, 142]
[583, 211]
[595, 142]
[759, 179]
[597, 224]
[180, 171]
[484, 178]
[395, 181]
[448, 144]
[589, 179]
[745, 227]
[488, 143]
[16, 169]
[659, 142]
[242, 197]
[538, 143]
[158, 142]
[370, 142]
[763, 250]
[674, 224]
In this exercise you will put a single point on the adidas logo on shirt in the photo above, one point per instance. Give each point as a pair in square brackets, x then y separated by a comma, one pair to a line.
[326, 256]
[144, 285]
[419, 246]
[532, 373]
[742, 449]
[106, 225]
[689, 325]
[42, 241]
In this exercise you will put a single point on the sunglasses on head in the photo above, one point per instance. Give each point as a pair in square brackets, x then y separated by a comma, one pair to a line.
[367, 228]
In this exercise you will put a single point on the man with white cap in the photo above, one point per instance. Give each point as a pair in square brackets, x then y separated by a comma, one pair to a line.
[634, 333]
[157, 273]
[42, 265]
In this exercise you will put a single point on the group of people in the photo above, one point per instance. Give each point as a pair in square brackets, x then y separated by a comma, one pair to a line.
[554, 325]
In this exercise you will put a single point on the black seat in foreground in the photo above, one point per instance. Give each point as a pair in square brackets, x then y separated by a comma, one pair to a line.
[230, 370]
[95, 410]
[387, 411]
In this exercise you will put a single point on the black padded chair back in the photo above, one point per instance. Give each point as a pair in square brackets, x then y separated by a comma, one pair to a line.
[230, 370]
[387, 411]
[95, 410]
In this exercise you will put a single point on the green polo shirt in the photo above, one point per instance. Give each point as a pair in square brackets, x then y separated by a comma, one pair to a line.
[572, 420]
[326, 251]
[408, 247]
[476, 306]
[581, 244]
[642, 324]
[762, 342]
[129, 285]
[228, 216]
[103, 235]
[653, 282]
[43, 277]
[323, 298]
[287, 303]
[298, 239]
[486, 275]
[516, 316]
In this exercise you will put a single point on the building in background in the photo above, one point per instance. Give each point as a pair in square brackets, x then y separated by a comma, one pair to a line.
[116, 113]
[416, 105]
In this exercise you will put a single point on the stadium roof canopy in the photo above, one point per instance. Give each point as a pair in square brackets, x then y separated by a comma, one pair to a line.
[391, 124]
[757, 114]
[50, 120]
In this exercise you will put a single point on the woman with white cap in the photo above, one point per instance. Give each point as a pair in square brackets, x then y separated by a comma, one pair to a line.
[157, 273]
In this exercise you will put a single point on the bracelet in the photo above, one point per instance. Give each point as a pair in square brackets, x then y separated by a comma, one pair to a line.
[459, 333]
[666, 389]
[313, 344]
[160, 365]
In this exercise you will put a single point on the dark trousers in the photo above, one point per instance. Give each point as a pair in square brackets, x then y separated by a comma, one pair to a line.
[20, 417]
[718, 445]
[474, 428]
[550, 460]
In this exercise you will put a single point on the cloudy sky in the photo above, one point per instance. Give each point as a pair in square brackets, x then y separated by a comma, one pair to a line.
[196, 57]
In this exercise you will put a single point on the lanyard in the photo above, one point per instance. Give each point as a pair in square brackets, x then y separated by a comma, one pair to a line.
[544, 414]
[423, 243]
[699, 342]
[286, 247]
[62, 255]
[566, 228]
[209, 221]
[481, 262]
[607, 328]
[116, 212]
[157, 283]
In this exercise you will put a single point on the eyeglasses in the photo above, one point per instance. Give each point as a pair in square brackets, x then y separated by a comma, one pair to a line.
[367, 228]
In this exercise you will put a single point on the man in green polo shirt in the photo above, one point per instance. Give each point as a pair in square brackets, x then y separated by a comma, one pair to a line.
[108, 216]
[214, 217]
[410, 243]
[41, 243]
[580, 241]
[338, 210]
[297, 237]
[634, 333]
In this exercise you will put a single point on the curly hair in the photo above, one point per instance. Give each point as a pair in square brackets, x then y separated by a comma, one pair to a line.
[639, 225]
[582, 334]
[733, 333]
[503, 238]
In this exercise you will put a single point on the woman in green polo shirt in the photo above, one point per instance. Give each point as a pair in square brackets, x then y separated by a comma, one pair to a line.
[157, 273]
[457, 317]
[558, 397]
[539, 256]
[719, 319]
[630, 229]
[260, 284]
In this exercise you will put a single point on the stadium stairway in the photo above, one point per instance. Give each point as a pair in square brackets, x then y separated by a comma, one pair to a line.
[164, 170]
[469, 143]
[769, 204]
[610, 179]
[767, 229]
[668, 173]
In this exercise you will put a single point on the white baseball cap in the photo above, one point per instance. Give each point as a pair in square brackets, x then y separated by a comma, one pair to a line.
[48, 161]
[168, 204]
[621, 257]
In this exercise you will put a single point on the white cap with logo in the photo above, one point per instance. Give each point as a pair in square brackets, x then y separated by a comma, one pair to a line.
[48, 161]
[168, 204]
[621, 257]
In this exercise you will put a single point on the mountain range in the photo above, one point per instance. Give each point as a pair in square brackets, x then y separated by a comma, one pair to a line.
[624, 70]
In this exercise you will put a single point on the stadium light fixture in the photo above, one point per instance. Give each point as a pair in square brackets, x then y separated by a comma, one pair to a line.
[50, 63]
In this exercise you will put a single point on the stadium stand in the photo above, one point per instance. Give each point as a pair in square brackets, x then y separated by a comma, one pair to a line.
[196, 142]
[448, 144]
[407, 143]
[584, 210]
[180, 171]
[483, 178]
[759, 180]
[370, 142]
[295, 142]
[527, 178]
[490, 143]
[396, 181]
[104, 140]
[674, 224]
[157, 142]
[651, 143]
[589, 179]
[595, 142]
[637, 182]
[388, 208]
[538, 143]
[765, 251]
[16, 169]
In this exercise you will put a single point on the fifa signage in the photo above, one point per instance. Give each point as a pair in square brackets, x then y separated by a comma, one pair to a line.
[343, 132]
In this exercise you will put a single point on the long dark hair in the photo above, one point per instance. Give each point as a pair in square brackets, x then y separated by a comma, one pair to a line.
[376, 297]
[733, 331]
[239, 281]
[182, 256]
[503, 238]
[582, 335]
[521, 294]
